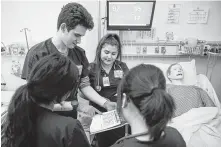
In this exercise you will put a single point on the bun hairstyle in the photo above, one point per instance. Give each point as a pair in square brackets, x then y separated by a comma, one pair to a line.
[145, 86]
[50, 79]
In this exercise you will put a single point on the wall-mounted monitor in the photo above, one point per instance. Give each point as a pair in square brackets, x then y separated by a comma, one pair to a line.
[130, 14]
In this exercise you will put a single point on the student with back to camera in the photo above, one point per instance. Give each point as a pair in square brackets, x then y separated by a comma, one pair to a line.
[147, 107]
[30, 121]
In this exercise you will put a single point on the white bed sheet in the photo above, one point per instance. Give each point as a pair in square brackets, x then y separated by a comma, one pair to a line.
[201, 127]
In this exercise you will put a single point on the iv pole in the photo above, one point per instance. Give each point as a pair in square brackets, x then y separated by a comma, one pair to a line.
[25, 30]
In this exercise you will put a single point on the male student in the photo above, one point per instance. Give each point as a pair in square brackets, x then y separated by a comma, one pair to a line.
[73, 22]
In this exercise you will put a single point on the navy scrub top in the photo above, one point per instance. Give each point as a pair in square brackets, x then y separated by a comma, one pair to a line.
[77, 55]
[106, 91]
[38, 51]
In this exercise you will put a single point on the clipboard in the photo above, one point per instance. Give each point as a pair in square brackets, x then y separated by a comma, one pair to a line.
[106, 121]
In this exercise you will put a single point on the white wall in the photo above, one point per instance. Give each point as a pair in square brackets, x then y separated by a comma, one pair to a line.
[41, 18]
[210, 31]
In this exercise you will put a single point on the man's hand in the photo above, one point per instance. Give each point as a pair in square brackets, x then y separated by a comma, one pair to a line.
[110, 105]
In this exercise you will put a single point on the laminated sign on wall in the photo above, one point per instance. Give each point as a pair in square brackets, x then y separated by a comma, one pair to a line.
[173, 14]
[198, 15]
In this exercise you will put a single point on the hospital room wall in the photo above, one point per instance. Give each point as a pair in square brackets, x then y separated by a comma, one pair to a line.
[211, 31]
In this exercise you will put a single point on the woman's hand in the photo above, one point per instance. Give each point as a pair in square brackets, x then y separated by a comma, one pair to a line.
[110, 105]
[85, 115]
[87, 109]
[85, 120]
[63, 106]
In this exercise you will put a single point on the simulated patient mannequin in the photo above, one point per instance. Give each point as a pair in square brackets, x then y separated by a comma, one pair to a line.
[185, 97]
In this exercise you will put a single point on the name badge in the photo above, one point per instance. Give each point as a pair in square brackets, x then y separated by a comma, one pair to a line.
[80, 67]
[106, 81]
[118, 73]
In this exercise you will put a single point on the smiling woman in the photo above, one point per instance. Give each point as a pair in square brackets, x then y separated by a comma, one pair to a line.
[106, 72]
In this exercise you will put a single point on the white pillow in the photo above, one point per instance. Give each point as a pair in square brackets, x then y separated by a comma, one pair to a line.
[189, 69]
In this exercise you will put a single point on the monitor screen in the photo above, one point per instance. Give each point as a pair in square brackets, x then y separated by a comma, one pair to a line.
[130, 15]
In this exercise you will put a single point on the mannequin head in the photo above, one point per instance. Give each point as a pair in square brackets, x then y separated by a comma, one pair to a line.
[175, 72]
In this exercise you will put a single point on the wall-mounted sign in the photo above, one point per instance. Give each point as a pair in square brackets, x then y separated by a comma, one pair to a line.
[173, 13]
[198, 15]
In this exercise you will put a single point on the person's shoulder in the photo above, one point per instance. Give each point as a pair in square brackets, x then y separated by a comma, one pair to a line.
[171, 129]
[121, 63]
[68, 122]
[92, 66]
[172, 133]
[80, 52]
[39, 47]
[72, 123]
[79, 49]
[67, 119]
[130, 142]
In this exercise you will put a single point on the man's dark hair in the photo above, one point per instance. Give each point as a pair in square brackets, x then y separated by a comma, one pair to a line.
[73, 14]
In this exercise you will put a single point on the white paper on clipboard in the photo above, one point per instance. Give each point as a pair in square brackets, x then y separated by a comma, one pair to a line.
[106, 121]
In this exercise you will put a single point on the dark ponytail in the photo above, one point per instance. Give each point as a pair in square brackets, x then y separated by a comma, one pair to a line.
[20, 120]
[157, 109]
[145, 86]
[50, 79]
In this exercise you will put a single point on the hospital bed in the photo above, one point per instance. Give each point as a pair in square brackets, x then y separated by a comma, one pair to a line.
[200, 127]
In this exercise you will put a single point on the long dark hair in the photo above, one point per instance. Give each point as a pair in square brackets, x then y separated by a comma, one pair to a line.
[109, 39]
[145, 86]
[50, 79]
